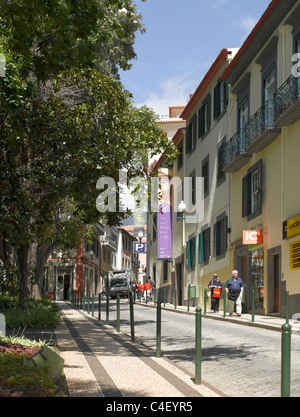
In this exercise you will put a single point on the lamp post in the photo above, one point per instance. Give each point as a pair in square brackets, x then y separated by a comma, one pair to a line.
[140, 235]
[182, 209]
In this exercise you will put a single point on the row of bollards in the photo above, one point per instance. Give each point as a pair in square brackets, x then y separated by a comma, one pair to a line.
[286, 331]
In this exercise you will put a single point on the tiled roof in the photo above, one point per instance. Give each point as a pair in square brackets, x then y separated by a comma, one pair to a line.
[214, 69]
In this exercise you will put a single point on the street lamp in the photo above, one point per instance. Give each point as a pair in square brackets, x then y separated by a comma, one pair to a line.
[140, 235]
[182, 209]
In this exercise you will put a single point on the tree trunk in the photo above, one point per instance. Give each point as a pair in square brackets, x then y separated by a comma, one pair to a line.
[22, 253]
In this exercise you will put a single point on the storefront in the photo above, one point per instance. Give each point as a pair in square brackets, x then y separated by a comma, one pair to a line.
[249, 260]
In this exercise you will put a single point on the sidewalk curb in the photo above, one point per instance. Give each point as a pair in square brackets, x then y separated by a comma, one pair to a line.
[227, 319]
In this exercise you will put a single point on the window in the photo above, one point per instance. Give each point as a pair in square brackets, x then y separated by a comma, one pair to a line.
[252, 192]
[180, 156]
[220, 98]
[204, 246]
[205, 175]
[191, 253]
[269, 85]
[192, 195]
[191, 135]
[221, 175]
[205, 116]
[220, 236]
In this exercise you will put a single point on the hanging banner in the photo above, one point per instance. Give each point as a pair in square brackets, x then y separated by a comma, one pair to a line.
[164, 230]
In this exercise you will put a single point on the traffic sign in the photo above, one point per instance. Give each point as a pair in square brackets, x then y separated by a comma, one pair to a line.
[139, 247]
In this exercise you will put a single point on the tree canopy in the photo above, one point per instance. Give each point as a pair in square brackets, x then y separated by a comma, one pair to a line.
[65, 121]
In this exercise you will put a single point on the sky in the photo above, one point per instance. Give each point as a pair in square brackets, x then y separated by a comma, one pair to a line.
[182, 40]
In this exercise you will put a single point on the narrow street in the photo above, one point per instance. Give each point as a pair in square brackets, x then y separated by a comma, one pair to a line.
[238, 360]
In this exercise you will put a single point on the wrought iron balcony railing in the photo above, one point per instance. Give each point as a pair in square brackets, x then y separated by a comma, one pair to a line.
[234, 155]
[260, 130]
[232, 148]
[286, 97]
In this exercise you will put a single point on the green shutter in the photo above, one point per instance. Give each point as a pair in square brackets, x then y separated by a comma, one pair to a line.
[201, 252]
[188, 255]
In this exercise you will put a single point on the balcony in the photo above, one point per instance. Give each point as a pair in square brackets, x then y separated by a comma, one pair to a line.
[287, 102]
[234, 156]
[260, 130]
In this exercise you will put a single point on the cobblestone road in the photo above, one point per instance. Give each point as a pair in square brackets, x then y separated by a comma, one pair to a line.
[238, 360]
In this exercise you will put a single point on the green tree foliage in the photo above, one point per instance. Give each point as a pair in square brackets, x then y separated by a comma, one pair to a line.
[65, 121]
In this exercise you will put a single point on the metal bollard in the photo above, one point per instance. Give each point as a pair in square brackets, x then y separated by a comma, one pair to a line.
[205, 299]
[286, 334]
[118, 314]
[198, 350]
[107, 307]
[83, 302]
[286, 360]
[158, 330]
[132, 320]
[99, 306]
[253, 305]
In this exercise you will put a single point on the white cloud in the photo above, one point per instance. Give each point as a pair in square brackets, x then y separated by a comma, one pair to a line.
[173, 92]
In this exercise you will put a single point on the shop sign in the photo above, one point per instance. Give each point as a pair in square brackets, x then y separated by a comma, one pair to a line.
[295, 256]
[252, 237]
[291, 227]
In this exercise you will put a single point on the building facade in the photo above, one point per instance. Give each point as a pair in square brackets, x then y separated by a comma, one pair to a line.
[261, 157]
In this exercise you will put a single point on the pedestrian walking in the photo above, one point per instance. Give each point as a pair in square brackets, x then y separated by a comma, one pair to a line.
[216, 288]
[234, 288]
[139, 290]
[133, 288]
[152, 283]
[147, 288]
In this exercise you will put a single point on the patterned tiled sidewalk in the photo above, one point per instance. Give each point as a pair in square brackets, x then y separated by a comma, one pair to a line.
[99, 362]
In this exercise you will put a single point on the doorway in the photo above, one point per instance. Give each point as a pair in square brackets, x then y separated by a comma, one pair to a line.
[241, 264]
[274, 274]
[63, 286]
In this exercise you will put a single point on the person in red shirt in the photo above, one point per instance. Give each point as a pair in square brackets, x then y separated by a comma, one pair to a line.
[147, 288]
[139, 290]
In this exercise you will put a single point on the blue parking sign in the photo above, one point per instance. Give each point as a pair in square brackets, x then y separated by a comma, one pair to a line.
[139, 247]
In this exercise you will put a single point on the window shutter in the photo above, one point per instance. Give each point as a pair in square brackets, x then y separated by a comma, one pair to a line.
[245, 197]
[209, 112]
[194, 131]
[226, 94]
[201, 253]
[195, 257]
[260, 184]
[200, 123]
[215, 240]
[225, 234]
[216, 102]
[188, 255]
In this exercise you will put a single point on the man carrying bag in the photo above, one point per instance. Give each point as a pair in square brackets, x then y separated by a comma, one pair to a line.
[234, 288]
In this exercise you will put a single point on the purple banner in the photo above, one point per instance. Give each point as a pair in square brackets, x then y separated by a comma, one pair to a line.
[164, 232]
